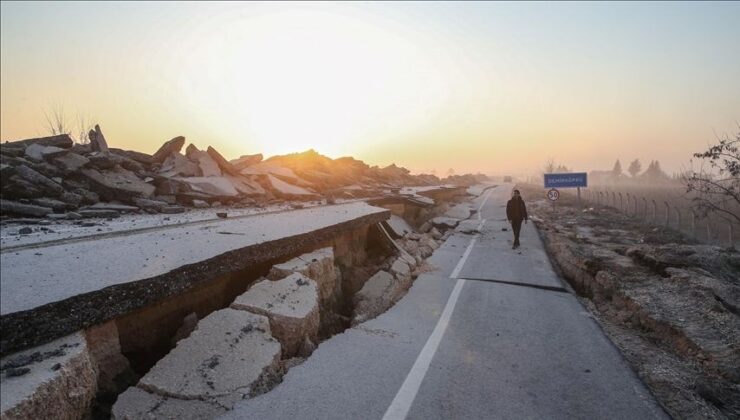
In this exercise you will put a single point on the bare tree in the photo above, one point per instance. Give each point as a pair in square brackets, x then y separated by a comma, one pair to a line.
[716, 189]
[550, 166]
[56, 121]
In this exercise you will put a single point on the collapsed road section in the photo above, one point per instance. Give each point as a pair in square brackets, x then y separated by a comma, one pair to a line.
[102, 326]
[53, 291]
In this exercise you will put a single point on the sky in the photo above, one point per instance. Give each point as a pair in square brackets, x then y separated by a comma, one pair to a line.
[488, 87]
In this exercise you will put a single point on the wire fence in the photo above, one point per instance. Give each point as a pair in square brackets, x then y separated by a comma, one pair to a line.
[667, 206]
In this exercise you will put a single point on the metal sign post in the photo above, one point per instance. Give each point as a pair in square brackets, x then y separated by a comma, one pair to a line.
[567, 180]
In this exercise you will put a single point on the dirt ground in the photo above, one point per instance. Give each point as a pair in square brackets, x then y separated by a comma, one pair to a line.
[668, 303]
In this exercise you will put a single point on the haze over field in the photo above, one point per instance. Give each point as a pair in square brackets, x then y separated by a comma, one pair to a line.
[491, 87]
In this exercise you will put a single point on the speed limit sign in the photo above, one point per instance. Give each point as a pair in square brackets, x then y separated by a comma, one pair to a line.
[553, 194]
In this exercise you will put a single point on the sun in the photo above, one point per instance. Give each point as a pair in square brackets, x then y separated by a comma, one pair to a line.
[291, 80]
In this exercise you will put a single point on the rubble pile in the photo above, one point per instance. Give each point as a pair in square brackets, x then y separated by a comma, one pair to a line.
[54, 176]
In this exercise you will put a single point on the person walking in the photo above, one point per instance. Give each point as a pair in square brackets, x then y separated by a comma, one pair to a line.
[516, 211]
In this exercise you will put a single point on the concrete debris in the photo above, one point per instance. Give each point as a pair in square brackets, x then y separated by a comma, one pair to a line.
[445, 223]
[20, 209]
[398, 227]
[317, 265]
[213, 186]
[200, 204]
[97, 140]
[224, 356]
[176, 164]
[101, 214]
[289, 191]
[55, 380]
[71, 162]
[54, 167]
[117, 184]
[375, 297]
[136, 403]
[222, 162]
[170, 147]
[62, 140]
[189, 323]
[208, 166]
[246, 161]
[291, 304]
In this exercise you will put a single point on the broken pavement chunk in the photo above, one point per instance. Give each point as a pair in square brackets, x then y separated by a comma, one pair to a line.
[97, 140]
[12, 207]
[59, 381]
[225, 355]
[172, 146]
[292, 304]
[222, 162]
[317, 265]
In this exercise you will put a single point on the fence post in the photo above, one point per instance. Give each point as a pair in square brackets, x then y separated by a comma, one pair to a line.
[731, 233]
[621, 203]
[693, 223]
[655, 211]
[644, 207]
[667, 214]
[678, 216]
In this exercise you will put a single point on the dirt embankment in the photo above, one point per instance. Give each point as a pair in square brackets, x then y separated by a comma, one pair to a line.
[668, 303]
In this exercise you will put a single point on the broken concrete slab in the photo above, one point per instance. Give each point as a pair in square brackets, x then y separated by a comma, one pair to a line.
[200, 204]
[246, 186]
[176, 164]
[112, 206]
[291, 304]
[140, 157]
[317, 265]
[289, 191]
[225, 355]
[444, 223]
[214, 186]
[38, 180]
[39, 153]
[263, 168]
[148, 204]
[170, 147]
[56, 205]
[460, 211]
[62, 140]
[118, 184]
[105, 350]
[56, 380]
[99, 214]
[13, 207]
[71, 162]
[97, 140]
[398, 227]
[135, 403]
[245, 161]
[400, 268]
[373, 299]
[222, 162]
[208, 166]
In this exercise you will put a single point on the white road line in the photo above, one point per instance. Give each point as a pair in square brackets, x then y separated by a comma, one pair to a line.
[405, 396]
[464, 258]
[401, 404]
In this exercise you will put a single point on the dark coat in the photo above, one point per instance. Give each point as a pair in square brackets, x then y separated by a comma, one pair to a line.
[516, 210]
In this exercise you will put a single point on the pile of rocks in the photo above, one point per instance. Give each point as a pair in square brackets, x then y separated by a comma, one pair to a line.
[53, 175]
